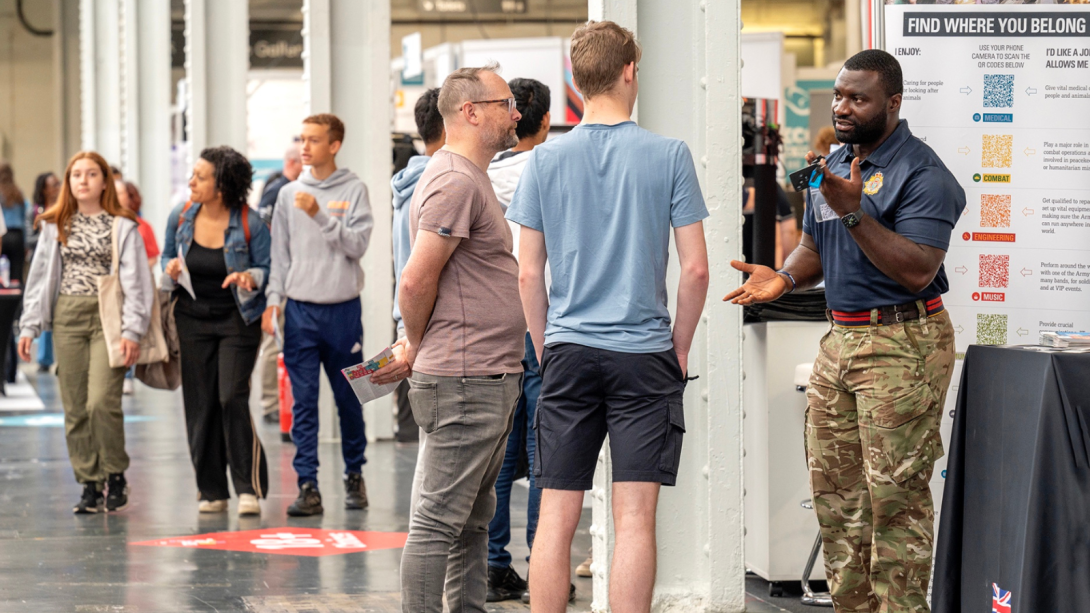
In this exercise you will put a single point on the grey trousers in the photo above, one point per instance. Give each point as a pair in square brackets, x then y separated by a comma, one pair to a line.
[466, 421]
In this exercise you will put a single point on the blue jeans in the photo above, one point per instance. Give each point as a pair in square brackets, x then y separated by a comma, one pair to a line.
[522, 436]
[328, 335]
[45, 349]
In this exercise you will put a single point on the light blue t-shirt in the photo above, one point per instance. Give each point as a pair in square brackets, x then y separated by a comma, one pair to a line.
[606, 197]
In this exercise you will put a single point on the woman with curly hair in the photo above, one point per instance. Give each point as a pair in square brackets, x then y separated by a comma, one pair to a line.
[223, 247]
[74, 249]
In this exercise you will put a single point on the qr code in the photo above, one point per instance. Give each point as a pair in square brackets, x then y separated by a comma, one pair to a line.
[991, 329]
[999, 90]
[995, 270]
[997, 151]
[995, 211]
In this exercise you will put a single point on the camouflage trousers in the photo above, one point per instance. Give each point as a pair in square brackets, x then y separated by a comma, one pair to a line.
[872, 437]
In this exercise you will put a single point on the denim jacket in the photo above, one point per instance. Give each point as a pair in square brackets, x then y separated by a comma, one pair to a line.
[239, 257]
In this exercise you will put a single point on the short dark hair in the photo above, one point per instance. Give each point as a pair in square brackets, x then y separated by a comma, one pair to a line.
[331, 122]
[234, 175]
[429, 122]
[532, 101]
[887, 67]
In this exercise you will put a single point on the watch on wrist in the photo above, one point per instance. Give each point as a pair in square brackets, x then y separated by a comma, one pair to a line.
[852, 220]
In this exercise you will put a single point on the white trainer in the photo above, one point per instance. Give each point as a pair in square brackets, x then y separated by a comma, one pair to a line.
[212, 506]
[248, 505]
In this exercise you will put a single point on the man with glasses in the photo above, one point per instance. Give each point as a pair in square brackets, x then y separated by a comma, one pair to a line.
[464, 345]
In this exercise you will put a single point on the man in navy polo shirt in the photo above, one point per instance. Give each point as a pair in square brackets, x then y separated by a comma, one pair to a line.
[876, 230]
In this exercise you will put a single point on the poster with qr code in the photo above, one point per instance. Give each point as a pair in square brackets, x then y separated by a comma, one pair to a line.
[1001, 93]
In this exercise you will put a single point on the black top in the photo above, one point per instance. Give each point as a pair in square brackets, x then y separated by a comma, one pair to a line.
[208, 269]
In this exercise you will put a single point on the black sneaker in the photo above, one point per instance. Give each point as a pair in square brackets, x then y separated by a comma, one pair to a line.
[117, 492]
[355, 491]
[90, 502]
[571, 595]
[505, 584]
[308, 503]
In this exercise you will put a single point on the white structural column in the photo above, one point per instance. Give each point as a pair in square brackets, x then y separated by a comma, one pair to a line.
[125, 102]
[217, 61]
[347, 69]
[690, 89]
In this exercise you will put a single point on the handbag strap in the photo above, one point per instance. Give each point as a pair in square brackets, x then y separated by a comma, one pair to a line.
[114, 264]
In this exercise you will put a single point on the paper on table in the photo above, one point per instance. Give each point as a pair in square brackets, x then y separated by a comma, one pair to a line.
[185, 280]
[359, 377]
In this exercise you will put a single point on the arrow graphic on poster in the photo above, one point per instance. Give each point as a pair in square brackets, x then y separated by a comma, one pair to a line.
[1030, 152]
[961, 269]
[959, 329]
[1021, 332]
[966, 90]
[1027, 211]
[1030, 91]
[1026, 272]
[964, 150]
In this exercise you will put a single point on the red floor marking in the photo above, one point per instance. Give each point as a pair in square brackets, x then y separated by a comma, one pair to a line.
[288, 541]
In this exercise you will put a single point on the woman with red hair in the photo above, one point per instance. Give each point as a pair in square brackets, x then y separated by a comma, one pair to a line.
[74, 249]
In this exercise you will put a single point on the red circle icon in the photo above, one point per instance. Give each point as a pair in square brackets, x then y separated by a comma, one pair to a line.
[976, 296]
[966, 236]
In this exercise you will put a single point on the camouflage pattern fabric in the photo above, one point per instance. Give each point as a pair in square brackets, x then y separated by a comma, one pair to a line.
[872, 437]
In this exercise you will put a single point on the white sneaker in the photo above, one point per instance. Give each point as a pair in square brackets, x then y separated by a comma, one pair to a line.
[127, 387]
[212, 506]
[248, 505]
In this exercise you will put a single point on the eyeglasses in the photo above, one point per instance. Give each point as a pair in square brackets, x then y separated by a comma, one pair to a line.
[510, 102]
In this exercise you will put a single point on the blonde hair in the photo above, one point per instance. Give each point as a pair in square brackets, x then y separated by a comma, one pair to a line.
[463, 85]
[66, 206]
[599, 52]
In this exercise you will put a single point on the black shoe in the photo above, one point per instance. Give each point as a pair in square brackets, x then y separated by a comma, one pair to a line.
[308, 503]
[90, 502]
[272, 418]
[355, 491]
[117, 492]
[571, 595]
[42, 368]
[505, 584]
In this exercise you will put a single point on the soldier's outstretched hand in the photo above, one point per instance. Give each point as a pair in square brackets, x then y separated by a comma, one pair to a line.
[764, 285]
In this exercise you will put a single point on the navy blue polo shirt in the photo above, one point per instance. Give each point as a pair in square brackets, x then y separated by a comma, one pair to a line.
[908, 190]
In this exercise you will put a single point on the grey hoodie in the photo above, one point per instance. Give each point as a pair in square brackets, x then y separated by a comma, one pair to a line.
[318, 259]
[403, 185]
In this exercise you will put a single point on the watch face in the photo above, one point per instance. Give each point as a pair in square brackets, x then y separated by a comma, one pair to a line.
[850, 220]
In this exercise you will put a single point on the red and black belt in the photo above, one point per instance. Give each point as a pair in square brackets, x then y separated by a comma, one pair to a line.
[887, 315]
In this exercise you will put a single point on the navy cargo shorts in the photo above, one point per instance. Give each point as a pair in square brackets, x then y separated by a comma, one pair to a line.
[587, 393]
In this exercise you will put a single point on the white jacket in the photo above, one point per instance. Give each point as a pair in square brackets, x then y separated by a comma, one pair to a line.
[44, 283]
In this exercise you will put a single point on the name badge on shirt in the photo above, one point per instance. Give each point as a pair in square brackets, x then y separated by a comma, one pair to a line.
[822, 210]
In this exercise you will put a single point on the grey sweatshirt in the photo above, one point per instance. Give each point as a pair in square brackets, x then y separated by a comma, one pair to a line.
[43, 284]
[318, 259]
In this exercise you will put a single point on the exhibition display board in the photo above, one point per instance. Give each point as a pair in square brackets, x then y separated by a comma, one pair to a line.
[1001, 93]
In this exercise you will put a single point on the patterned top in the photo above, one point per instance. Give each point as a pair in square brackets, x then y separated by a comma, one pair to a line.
[87, 254]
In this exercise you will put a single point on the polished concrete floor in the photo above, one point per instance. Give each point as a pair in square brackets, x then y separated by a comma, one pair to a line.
[52, 560]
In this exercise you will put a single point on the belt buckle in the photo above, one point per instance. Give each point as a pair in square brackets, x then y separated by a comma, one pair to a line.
[899, 317]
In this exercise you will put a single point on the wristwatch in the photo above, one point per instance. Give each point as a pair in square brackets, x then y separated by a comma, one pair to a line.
[852, 220]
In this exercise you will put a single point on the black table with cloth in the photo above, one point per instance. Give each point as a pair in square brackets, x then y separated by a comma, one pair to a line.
[1016, 504]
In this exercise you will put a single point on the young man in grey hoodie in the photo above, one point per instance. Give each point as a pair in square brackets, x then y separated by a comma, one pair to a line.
[321, 226]
[429, 125]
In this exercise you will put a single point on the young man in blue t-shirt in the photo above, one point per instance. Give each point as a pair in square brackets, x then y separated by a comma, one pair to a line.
[601, 202]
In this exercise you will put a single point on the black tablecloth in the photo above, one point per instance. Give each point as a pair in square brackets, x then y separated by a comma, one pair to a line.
[1016, 505]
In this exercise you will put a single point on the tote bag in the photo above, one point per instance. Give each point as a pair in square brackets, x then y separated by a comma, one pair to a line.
[153, 347]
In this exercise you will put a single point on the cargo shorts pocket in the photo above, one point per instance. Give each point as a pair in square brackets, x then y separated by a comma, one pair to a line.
[902, 436]
[670, 458]
[424, 402]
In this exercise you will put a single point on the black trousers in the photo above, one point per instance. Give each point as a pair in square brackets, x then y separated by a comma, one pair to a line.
[218, 354]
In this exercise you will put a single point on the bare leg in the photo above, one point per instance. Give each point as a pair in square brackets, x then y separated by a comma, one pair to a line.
[632, 577]
[550, 565]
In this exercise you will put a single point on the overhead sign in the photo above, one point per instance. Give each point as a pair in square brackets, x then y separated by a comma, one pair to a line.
[292, 541]
[271, 46]
[473, 6]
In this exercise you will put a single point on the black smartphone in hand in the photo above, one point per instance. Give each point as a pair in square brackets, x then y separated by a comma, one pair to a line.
[800, 179]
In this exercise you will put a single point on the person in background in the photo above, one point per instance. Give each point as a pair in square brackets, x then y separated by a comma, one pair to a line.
[15, 207]
[429, 125]
[825, 141]
[74, 248]
[321, 228]
[532, 100]
[270, 388]
[226, 251]
[129, 196]
[47, 189]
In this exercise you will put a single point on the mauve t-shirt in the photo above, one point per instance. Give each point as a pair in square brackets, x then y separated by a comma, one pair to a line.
[477, 327]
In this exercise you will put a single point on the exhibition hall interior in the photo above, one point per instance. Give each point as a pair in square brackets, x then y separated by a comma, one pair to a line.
[378, 305]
